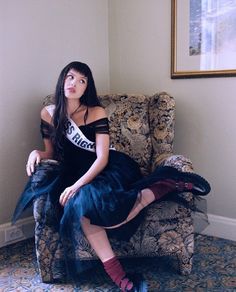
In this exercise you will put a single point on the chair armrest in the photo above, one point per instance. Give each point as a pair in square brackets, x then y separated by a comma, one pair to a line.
[180, 162]
[183, 164]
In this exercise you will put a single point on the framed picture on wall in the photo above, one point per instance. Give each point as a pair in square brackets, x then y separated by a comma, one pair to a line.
[203, 38]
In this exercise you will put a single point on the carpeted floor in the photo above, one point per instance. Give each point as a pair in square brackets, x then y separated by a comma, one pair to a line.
[214, 269]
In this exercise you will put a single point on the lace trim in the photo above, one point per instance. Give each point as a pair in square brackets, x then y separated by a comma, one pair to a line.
[101, 126]
[46, 129]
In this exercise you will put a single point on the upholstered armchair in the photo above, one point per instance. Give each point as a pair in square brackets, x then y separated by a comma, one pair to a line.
[143, 127]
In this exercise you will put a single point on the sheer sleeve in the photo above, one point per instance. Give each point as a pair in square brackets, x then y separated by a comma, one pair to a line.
[46, 129]
[101, 126]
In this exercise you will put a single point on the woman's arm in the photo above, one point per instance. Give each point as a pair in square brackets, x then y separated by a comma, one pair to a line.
[37, 155]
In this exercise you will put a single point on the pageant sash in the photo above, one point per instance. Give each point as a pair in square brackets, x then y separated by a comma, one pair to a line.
[75, 136]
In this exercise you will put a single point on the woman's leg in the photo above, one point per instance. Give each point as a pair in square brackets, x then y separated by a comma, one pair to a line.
[154, 193]
[99, 241]
[97, 237]
[145, 197]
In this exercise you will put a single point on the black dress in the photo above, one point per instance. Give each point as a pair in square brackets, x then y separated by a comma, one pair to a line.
[108, 199]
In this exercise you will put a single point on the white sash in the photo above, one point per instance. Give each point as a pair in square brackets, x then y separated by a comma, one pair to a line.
[75, 136]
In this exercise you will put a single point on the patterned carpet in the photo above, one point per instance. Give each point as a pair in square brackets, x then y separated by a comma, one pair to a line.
[214, 270]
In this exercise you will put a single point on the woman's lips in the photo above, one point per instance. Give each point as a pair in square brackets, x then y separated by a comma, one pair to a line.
[71, 89]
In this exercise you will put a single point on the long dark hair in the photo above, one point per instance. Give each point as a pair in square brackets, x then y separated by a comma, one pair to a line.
[88, 99]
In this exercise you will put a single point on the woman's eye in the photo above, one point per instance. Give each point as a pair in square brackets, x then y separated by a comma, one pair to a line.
[82, 81]
[70, 77]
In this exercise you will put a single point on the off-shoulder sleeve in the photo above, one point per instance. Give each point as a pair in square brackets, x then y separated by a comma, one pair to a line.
[46, 129]
[101, 126]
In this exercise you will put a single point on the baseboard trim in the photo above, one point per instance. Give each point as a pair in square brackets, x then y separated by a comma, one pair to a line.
[24, 228]
[219, 226]
[222, 227]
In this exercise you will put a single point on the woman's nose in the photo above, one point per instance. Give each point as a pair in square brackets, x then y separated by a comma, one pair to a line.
[73, 82]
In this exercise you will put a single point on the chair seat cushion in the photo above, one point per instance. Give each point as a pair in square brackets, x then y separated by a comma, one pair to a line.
[162, 227]
[167, 210]
[161, 233]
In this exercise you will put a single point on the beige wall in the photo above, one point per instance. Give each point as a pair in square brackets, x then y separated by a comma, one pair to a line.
[37, 39]
[206, 108]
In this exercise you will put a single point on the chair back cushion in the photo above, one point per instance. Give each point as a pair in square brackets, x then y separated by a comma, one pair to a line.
[129, 126]
[162, 124]
[141, 126]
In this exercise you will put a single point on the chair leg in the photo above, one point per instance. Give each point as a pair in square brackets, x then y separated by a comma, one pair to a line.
[43, 253]
[185, 264]
[185, 257]
[49, 249]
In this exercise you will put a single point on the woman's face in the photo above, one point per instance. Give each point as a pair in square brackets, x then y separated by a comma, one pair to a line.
[75, 84]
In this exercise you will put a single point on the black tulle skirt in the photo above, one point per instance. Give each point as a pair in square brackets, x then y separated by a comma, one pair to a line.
[106, 201]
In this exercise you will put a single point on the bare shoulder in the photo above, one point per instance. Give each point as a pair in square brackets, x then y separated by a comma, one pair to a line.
[45, 115]
[97, 112]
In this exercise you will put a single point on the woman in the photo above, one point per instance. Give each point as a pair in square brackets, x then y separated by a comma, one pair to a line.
[98, 188]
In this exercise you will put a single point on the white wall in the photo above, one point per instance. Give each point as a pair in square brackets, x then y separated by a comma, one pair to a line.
[37, 39]
[206, 108]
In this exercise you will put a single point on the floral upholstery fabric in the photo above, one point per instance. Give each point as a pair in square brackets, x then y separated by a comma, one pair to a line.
[143, 127]
[129, 126]
[162, 122]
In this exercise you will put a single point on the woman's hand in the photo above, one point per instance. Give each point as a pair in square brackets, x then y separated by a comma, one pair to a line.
[34, 159]
[67, 194]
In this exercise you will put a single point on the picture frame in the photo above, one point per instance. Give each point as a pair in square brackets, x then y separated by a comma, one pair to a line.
[203, 38]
